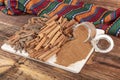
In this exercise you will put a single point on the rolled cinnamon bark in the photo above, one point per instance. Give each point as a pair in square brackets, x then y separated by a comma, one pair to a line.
[55, 37]
[52, 40]
[63, 22]
[47, 26]
[41, 43]
[45, 15]
[50, 29]
[51, 34]
[61, 42]
[60, 20]
[52, 19]
[47, 53]
[70, 23]
[51, 54]
[58, 40]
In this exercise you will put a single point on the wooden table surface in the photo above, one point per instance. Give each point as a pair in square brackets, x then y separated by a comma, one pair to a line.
[12, 67]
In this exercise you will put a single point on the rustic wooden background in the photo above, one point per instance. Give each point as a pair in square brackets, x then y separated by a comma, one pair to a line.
[100, 66]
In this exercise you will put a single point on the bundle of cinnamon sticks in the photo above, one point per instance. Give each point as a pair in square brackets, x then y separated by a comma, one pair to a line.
[50, 38]
[27, 33]
[43, 37]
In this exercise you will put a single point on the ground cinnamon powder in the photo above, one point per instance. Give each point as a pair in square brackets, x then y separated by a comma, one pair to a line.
[103, 44]
[76, 49]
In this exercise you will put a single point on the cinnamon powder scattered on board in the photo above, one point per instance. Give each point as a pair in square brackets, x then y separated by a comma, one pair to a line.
[74, 50]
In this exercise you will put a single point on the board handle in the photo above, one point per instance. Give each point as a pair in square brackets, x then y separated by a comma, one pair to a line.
[95, 43]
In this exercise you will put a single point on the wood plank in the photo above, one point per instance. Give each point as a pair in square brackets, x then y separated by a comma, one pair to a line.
[101, 72]
[112, 58]
[14, 20]
[5, 64]
[23, 72]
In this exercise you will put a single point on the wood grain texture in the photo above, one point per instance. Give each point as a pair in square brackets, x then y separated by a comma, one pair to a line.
[14, 20]
[12, 67]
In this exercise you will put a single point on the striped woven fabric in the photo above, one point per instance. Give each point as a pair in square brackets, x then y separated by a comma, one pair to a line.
[71, 9]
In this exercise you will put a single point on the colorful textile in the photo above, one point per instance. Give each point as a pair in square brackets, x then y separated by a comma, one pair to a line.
[71, 9]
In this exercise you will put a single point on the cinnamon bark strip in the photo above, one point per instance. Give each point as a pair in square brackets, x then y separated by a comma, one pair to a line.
[42, 20]
[33, 19]
[55, 37]
[51, 34]
[61, 42]
[50, 29]
[58, 40]
[47, 53]
[63, 22]
[52, 40]
[23, 36]
[45, 15]
[47, 26]
[60, 20]
[41, 35]
[32, 45]
[47, 31]
[51, 54]
[68, 30]
[28, 42]
[46, 44]
[15, 40]
[31, 52]
[38, 53]
[71, 22]
[52, 19]
[12, 38]
[41, 43]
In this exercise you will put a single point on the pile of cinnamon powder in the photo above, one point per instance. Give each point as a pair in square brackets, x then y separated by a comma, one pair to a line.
[76, 49]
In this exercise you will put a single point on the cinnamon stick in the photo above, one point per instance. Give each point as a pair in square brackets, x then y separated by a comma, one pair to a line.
[46, 44]
[55, 37]
[45, 15]
[41, 43]
[58, 40]
[28, 42]
[71, 22]
[33, 20]
[47, 32]
[47, 53]
[32, 45]
[38, 53]
[41, 35]
[47, 29]
[48, 26]
[15, 40]
[51, 34]
[61, 42]
[68, 30]
[52, 40]
[50, 29]
[63, 22]
[60, 20]
[51, 54]
[52, 19]
[64, 25]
